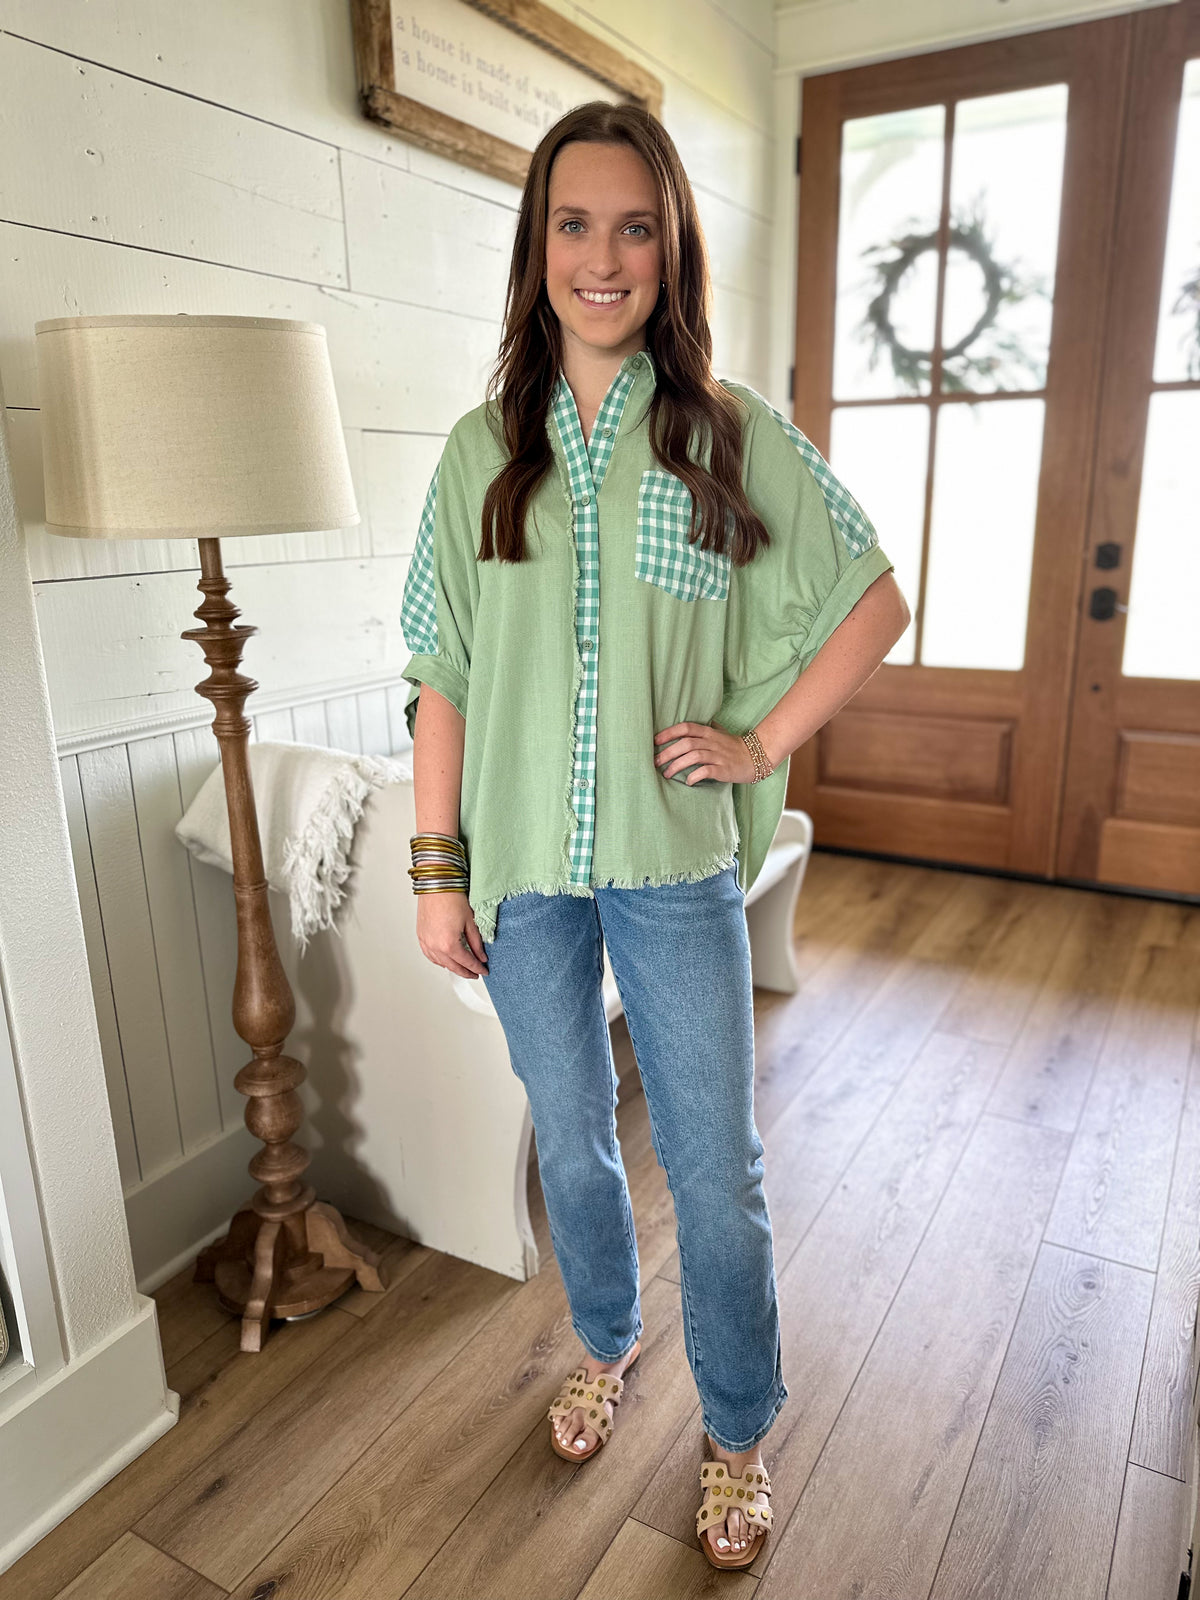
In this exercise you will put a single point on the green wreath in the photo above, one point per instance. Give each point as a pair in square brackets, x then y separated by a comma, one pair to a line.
[1005, 356]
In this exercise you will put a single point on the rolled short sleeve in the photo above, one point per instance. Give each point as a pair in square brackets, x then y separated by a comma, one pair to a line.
[437, 611]
[824, 551]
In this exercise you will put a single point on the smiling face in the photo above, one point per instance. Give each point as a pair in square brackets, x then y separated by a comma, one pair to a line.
[604, 256]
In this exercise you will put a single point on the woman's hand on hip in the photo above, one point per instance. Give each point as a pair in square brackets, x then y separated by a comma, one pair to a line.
[722, 756]
[449, 935]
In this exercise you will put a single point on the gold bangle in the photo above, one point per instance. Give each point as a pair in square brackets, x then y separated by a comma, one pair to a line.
[762, 765]
[439, 864]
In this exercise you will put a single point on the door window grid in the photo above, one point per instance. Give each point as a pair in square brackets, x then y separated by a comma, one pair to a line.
[946, 307]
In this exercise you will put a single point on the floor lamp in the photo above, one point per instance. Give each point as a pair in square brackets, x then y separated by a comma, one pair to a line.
[208, 428]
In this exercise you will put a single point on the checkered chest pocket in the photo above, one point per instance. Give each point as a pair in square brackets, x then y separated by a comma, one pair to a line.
[664, 556]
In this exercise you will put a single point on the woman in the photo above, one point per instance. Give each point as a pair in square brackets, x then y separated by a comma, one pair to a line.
[623, 568]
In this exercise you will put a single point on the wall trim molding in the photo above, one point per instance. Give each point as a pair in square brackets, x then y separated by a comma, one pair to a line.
[815, 36]
[264, 700]
[75, 1432]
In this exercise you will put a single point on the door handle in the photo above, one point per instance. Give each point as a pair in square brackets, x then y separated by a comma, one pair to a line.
[1104, 604]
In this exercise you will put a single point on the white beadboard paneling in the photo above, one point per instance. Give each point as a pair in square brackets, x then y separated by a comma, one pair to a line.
[114, 652]
[275, 725]
[373, 722]
[195, 757]
[176, 937]
[122, 160]
[287, 62]
[395, 366]
[125, 911]
[101, 982]
[399, 469]
[341, 722]
[310, 724]
[412, 239]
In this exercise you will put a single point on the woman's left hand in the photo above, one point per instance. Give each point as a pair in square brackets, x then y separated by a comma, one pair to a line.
[722, 755]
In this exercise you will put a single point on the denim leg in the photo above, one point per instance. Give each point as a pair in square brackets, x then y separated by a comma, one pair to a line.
[544, 979]
[681, 957]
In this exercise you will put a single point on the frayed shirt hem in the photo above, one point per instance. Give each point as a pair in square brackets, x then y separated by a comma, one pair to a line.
[486, 911]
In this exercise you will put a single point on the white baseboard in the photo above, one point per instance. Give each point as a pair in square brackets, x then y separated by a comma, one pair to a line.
[68, 1436]
[176, 1213]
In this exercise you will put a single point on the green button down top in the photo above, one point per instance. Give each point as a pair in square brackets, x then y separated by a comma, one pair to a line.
[566, 664]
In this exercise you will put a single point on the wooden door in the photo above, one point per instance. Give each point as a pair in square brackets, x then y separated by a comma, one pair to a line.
[956, 224]
[1131, 811]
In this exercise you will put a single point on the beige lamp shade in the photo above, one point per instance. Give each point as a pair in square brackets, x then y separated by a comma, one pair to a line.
[185, 427]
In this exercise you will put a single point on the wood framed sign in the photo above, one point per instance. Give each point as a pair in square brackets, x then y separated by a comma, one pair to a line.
[480, 81]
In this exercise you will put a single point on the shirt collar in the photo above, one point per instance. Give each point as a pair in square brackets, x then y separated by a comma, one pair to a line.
[641, 363]
[639, 360]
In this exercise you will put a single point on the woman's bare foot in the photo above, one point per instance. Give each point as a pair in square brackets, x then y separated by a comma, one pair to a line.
[570, 1429]
[732, 1538]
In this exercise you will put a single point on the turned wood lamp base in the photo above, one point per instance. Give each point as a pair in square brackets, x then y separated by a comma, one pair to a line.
[286, 1253]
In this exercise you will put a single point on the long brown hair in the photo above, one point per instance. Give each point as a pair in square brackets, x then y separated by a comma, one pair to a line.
[687, 397]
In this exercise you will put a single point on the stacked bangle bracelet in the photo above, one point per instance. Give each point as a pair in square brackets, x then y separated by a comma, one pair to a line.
[439, 863]
[762, 766]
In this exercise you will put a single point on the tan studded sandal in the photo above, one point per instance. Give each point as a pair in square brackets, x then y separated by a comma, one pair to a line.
[725, 1492]
[578, 1391]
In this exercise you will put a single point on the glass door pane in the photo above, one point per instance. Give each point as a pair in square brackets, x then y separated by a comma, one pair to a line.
[891, 189]
[884, 452]
[1162, 632]
[981, 538]
[947, 251]
[1178, 354]
[1005, 197]
[1162, 629]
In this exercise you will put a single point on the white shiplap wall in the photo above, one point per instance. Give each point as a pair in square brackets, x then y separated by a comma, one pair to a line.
[212, 159]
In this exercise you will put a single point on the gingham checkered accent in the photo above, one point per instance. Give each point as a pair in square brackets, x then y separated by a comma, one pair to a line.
[852, 522]
[586, 466]
[663, 554]
[418, 610]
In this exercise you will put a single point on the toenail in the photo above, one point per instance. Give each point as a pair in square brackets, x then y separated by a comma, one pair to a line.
[722, 1544]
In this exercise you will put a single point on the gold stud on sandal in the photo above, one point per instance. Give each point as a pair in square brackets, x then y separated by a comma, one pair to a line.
[726, 1491]
[590, 1394]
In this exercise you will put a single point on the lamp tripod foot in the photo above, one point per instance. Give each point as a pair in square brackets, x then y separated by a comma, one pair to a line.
[294, 1266]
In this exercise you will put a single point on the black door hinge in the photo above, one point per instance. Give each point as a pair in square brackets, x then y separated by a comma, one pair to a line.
[797, 154]
[791, 383]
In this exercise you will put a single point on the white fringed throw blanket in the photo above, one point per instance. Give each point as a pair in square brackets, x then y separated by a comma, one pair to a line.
[309, 801]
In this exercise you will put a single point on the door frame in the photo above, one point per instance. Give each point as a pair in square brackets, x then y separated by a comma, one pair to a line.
[1093, 59]
[1095, 842]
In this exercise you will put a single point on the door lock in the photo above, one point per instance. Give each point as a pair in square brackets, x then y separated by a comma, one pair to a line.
[1104, 604]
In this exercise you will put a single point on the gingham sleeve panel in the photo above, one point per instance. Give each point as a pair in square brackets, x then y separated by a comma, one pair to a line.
[824, 552]
[437, 605]
[852, 522]
[418, 613]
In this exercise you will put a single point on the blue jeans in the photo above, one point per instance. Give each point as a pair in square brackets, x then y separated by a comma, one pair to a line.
[680, 954]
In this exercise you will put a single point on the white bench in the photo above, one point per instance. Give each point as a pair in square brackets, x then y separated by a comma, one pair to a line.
[416, 1120]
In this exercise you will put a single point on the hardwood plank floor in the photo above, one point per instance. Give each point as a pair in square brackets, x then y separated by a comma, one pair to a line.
[981, 1114]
